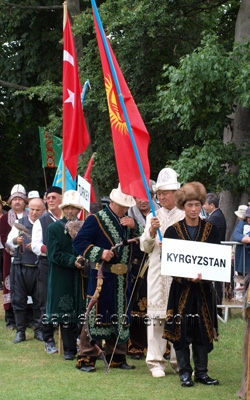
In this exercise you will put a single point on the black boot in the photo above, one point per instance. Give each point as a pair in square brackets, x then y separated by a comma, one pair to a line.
[38, 328]
[200, 357]
[185, 369]
[10, 319]
[20, 318]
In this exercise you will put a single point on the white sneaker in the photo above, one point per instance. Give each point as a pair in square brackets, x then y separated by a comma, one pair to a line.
[157, 373]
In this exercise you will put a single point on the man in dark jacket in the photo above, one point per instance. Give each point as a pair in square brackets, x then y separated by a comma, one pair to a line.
[64, 298]
[192, 296]
[216, 217]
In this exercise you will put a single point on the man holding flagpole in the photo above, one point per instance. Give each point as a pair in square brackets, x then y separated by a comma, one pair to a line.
[95, 240]
[158, 285]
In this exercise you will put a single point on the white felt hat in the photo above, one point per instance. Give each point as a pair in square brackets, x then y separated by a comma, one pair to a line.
[124, 200]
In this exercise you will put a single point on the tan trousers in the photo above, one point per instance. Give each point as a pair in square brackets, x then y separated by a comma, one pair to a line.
[157, 347]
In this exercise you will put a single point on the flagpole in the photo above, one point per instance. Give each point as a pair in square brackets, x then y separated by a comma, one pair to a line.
[122, 104]
[45, 180]
[65, 14]
[65, 11]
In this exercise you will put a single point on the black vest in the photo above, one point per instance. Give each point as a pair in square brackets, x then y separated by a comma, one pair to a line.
[21, 254]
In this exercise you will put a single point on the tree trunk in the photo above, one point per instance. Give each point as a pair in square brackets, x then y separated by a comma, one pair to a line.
[238, 131]
[74, 9]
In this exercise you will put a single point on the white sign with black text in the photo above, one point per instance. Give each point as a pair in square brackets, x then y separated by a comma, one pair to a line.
[186, 258]
[84, 187]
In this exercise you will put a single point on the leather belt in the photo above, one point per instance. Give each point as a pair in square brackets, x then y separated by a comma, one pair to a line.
[117, 269]
[29, 265]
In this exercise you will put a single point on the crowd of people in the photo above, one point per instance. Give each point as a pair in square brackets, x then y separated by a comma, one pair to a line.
[99, 281]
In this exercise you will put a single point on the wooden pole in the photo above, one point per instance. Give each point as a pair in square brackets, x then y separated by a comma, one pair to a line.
[45, 180]
[65, 12]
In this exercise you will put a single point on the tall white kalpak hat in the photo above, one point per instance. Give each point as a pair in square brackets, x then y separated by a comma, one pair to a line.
[72, 198]
[17, 191]
[241, 212]
[167, 180]
[124, 200]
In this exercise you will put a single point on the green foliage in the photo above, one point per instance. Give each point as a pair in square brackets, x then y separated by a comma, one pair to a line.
[144, 39]
[200, 94]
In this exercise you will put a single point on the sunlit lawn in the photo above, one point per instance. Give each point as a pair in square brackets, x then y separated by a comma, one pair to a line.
[27, 372]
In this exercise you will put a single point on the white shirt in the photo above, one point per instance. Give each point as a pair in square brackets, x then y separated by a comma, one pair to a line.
[37, 236]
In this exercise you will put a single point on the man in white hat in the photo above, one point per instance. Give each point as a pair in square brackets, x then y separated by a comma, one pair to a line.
[99, 233]
[17, 202]
[158, 285]
[64, 281]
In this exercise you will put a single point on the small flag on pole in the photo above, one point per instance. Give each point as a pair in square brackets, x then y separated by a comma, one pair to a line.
[70, 184]
[51, 149]
[88, 178]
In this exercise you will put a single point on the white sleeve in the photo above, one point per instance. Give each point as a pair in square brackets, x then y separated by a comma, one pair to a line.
[37, 238]
[146, 242]
[13, 234]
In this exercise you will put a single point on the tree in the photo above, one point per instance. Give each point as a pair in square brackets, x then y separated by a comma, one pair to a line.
[144, 39]
[201, 97]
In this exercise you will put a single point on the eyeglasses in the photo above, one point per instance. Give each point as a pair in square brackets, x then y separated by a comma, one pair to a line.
[51, 198]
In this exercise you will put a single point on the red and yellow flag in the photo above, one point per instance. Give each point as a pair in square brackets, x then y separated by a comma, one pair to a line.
[75, 132]
[127, 166]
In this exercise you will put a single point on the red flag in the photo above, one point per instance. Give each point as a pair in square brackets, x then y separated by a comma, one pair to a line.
[127, 165]
[75, 132]
[87, 176]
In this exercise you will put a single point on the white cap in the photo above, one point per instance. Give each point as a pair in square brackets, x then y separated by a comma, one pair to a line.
[124, 200]
[167, 180]
[33, 194]
[17, 191]
[72, 198]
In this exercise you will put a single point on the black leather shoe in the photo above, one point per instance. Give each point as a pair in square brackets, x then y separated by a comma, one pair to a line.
[126, 366]
[38, 335]
[20, 337]
[206, 380]
[186, 380]
[88, 368]
[69, 355]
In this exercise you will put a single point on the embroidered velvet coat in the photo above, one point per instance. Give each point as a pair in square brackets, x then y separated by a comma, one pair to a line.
[102, 231]
[188, 298]
[65, 298]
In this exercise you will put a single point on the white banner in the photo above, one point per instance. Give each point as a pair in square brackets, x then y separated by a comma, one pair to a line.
[186, 258]
[84, 187]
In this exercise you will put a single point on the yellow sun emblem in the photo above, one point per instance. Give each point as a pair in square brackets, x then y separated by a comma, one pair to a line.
[115, 117]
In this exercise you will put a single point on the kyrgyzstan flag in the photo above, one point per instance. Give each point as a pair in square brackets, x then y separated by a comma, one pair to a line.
[75, 132]
[127, 165]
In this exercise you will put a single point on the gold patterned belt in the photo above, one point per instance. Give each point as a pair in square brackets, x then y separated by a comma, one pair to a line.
[118, 269]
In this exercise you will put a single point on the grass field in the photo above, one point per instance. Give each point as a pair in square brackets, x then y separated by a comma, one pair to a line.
[27, 372]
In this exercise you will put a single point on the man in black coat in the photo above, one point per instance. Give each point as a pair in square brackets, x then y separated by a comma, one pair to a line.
[217, 218]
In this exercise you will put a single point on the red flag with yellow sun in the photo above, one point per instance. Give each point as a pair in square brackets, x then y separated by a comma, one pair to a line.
[127, 166]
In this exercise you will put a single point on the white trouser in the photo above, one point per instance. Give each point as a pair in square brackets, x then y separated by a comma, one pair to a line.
[157, 347]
